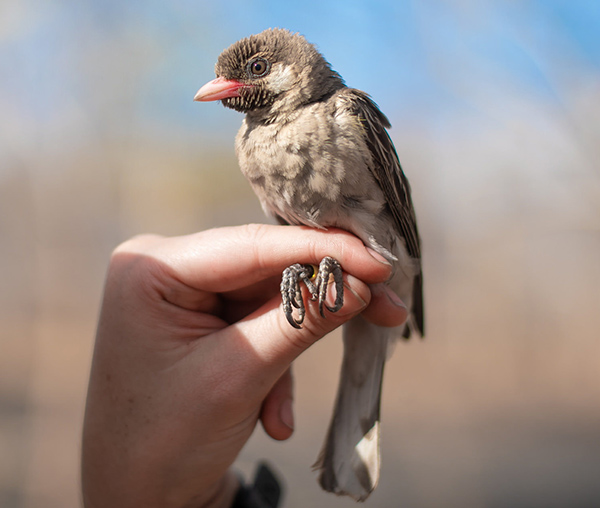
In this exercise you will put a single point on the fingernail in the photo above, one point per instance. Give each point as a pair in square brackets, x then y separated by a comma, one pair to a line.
[378, 256]
[394, 298]
[350, 281]
[286, 413]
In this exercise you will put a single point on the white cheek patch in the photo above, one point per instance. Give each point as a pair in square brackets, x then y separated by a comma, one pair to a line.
[281, 78]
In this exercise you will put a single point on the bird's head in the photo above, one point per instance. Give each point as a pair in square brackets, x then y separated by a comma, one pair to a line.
[270, 73]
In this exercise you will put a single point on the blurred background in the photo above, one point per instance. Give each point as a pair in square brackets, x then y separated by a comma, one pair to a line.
[495, 107]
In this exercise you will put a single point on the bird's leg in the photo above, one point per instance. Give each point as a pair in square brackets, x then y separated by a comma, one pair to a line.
[291, 289]
[291, 293]
[330, 267]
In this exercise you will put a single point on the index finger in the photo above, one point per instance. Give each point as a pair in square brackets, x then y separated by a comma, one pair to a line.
[226, 259]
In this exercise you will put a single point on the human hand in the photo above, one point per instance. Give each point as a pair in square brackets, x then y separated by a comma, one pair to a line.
[193, 349]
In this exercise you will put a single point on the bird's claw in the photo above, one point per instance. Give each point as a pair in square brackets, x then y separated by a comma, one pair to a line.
[291, 292]
[328, 267]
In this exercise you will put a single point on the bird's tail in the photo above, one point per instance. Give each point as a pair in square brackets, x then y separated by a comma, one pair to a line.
[349, 461]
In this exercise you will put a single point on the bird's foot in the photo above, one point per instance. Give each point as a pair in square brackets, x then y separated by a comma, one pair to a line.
[317, 281]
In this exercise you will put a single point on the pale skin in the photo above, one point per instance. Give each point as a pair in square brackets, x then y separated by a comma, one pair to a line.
[192, 349]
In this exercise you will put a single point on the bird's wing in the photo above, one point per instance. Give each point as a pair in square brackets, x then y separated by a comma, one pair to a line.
[386, 169]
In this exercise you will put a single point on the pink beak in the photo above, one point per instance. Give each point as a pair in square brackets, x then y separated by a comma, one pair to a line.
[218, 89]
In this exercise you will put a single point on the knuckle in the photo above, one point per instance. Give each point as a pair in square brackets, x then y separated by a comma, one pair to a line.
[254, 236]
[254, 233]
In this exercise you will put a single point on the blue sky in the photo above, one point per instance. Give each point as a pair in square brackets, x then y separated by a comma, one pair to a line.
[137, 63]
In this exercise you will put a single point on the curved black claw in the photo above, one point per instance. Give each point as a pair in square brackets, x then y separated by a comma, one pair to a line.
[328, 267]
[291, 292]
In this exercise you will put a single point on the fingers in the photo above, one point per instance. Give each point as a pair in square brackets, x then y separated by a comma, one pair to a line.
[277, 415]
[275, 344]
[227, 259]
[386, 308]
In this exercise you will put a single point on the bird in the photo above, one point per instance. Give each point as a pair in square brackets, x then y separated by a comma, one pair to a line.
[317, 153]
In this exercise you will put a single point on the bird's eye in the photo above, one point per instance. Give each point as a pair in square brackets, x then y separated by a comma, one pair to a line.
[258, 67]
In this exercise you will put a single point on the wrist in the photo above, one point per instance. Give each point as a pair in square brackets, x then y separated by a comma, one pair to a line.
[220, 495]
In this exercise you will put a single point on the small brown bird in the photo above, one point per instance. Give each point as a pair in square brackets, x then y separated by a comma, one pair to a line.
[317, 153]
